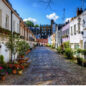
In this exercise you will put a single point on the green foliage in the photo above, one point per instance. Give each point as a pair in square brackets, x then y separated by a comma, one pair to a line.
[60, 50]
[69, 53]
[66, 45]
[29, 24]
[22, 47]
[84, 52]
[11, 44]
[52, 46]
[1, 59]
[79, 50]
[36, 25]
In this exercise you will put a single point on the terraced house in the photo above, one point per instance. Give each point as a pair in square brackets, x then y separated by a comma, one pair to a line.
[65, 32]
[10, 21]
[78, 30]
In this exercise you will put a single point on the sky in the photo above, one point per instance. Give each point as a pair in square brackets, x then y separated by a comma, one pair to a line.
[40, 13]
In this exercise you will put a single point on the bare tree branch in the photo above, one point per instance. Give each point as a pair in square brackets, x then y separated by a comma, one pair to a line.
[47, 2]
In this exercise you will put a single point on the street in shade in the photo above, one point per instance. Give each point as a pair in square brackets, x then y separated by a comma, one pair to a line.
[49, 49]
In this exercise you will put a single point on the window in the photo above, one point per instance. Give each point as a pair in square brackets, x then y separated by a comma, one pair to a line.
[75, 29]
[7, 22]
[0, 18]
[71, 31]
[76, 46]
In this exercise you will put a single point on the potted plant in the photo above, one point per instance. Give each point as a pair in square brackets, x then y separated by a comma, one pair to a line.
[19, 71]
[2, 73]
[14, 70]
[80, 60]
[22, 48]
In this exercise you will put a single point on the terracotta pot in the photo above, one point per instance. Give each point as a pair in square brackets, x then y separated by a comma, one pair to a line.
[3, 78]
[22, 56]
[20, 72]
[14, 71]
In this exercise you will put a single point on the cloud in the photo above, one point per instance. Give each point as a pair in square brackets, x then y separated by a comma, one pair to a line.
[67, 19]
[31, 19]
[52, 16]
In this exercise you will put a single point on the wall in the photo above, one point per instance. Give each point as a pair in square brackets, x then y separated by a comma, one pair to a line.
[78, 38]
[15, 23]
[65, 31]
[5, 11]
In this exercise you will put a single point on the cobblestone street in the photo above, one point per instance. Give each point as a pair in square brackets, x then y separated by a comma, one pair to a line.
[48, 68]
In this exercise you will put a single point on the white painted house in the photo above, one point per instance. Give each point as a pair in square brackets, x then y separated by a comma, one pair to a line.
[78, 31]
[15, 23]
[5, 17]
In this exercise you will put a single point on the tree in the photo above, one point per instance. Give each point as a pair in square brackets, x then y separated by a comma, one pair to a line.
[12, 45]
[22, 47]
[36, 25]
[29, 24]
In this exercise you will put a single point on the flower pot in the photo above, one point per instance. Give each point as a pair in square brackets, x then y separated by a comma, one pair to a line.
[3, 78]
[14, 71]
[20, 72]
[22, 56]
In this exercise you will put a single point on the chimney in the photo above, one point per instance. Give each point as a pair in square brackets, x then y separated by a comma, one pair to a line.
[52, 21]
[79, 11]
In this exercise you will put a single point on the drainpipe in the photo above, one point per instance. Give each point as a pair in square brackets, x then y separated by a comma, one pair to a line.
[24, 32]
[12, 34]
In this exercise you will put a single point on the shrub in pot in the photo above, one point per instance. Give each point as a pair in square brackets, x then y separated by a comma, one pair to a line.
[80, 60]
[59, 50]
[22, 47]
[69, 53]
[14, 70]
[84, 62]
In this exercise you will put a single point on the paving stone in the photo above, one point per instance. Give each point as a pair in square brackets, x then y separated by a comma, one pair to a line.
[48, 68]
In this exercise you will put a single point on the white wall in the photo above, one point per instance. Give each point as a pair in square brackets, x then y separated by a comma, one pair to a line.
[5, 11]
[79, 36]
[5, 52]
[15, 23]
